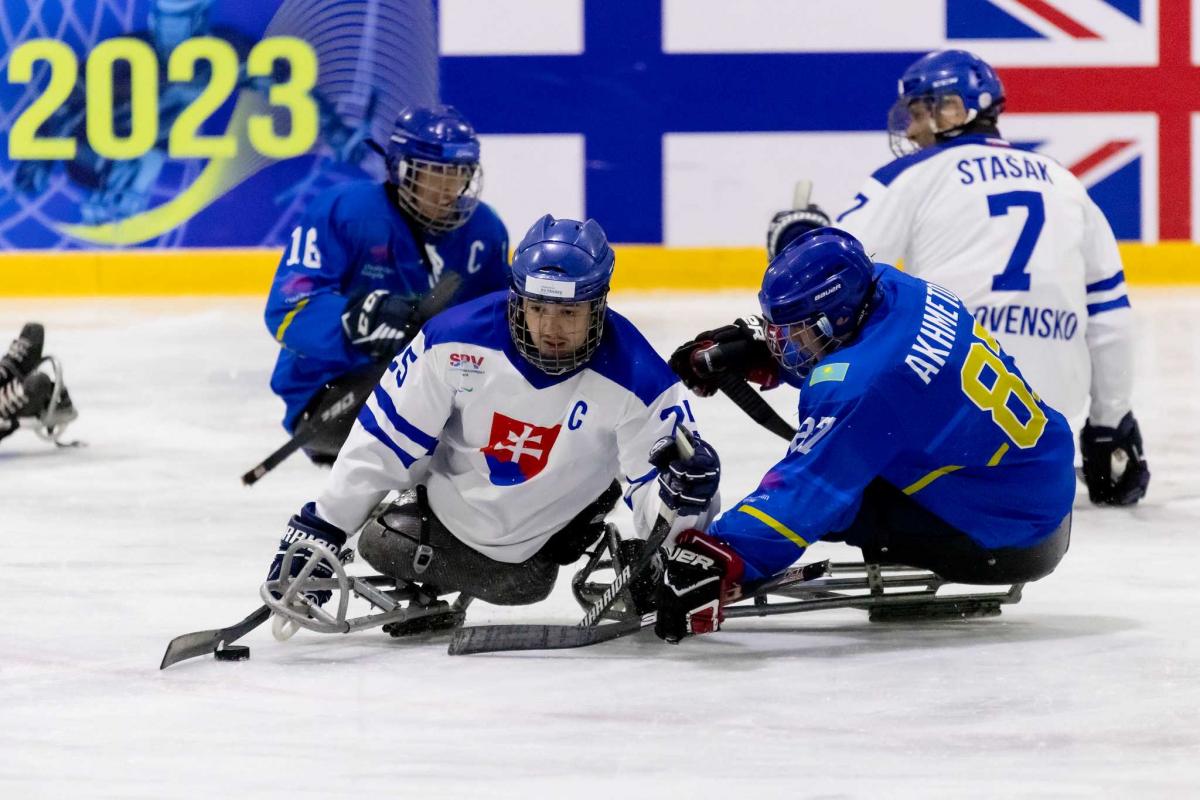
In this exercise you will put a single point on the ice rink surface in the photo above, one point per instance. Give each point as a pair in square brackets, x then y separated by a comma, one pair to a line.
[1089, 687]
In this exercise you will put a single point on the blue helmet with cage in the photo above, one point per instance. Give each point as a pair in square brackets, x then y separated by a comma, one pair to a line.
[926, 84]
[561, 272]
[433, 156]
[815, 297]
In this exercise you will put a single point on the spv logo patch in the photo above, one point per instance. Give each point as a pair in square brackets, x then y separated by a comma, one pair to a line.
[516, 450]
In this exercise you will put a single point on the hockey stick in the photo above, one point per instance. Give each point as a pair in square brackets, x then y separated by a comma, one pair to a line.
[737, 389]
[190, 645]
[751, 402]
[499, 638]
[335, 408]
[465, 640]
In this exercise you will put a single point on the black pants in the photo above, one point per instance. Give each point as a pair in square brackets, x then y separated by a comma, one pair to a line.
[892, 528]
[347, 393]
[389, 544]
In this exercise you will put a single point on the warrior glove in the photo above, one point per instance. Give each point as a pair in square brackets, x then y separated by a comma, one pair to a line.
[375, 323]
[740, 348]
[686, 485]
[791, 224]
[1099, 445]
[307, 526]
[700, 573]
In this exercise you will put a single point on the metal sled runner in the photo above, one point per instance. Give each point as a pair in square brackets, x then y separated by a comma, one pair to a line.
[888, 593]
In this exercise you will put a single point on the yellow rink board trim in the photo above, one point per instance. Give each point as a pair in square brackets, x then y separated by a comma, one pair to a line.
[639, 267]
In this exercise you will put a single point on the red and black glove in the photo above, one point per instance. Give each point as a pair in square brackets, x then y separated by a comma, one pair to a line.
[700, 573]
[740, 348]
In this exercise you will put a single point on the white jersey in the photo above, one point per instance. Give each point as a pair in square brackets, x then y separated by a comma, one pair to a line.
[1015, 235]
[508, 454]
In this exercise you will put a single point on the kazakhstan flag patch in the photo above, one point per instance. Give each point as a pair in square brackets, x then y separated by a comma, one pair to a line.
[829, 372]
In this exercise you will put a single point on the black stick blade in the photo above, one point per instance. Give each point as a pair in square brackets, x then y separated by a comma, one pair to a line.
[200, 643]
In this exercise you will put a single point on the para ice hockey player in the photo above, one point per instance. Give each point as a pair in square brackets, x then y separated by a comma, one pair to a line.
[27, 393]
[512, 415]
[1015, 235]
[353, 271]
[920, 441]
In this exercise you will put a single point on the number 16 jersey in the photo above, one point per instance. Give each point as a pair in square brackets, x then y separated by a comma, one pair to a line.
[1015, 235]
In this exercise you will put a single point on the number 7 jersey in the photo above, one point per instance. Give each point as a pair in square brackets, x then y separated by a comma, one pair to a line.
[926, 400]
[1015, 235]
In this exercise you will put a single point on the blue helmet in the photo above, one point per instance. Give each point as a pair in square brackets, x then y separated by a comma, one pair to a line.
[561, 272]
[938, 75]
[433, 155]
[814, 296]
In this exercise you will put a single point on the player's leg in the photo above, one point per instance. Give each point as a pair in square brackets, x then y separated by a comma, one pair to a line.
[893, 528]
[345, 396]
[391, 542]
[23, 354]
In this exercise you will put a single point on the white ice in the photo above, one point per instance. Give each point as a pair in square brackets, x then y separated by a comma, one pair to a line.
[1089, 687]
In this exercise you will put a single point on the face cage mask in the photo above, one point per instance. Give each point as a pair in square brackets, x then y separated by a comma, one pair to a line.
[797, 346]
[522, 337]
[900, 118]
[438, 196]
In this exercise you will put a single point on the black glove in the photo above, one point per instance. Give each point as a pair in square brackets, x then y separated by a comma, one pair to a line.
[792, 224]
[1098, 445]
[308, 526]
[374, 323]
[700, 573]
[686, 485]
[740, 348]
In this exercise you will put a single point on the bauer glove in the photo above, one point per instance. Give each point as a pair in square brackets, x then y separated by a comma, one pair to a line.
[740, 348]
[700, 573]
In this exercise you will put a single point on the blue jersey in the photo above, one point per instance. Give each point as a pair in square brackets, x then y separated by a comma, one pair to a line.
[353, 241]
[926, 400]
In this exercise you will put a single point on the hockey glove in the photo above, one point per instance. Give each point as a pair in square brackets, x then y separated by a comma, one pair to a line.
[740, 348]
[792, 224]
[700, 573]
[686, 485]
[375, 323]
[1099, 445]
[308, 526]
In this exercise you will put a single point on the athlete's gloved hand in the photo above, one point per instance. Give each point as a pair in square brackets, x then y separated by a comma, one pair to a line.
[374, 323]
[740, 348]
[1098, 444]
[792, 223]
[307, 526]
[686, 485]
[700, 573]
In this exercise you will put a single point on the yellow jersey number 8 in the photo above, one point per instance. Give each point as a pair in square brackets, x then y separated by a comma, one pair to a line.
[1006, 387]
[292, 95]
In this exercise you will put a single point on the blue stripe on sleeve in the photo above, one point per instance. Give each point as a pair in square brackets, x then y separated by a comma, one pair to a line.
[401, 424]
[1100, 308]
[1107, 283]
[372, 427]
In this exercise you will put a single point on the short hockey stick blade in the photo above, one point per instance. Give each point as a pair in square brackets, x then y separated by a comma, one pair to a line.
[190, 645]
